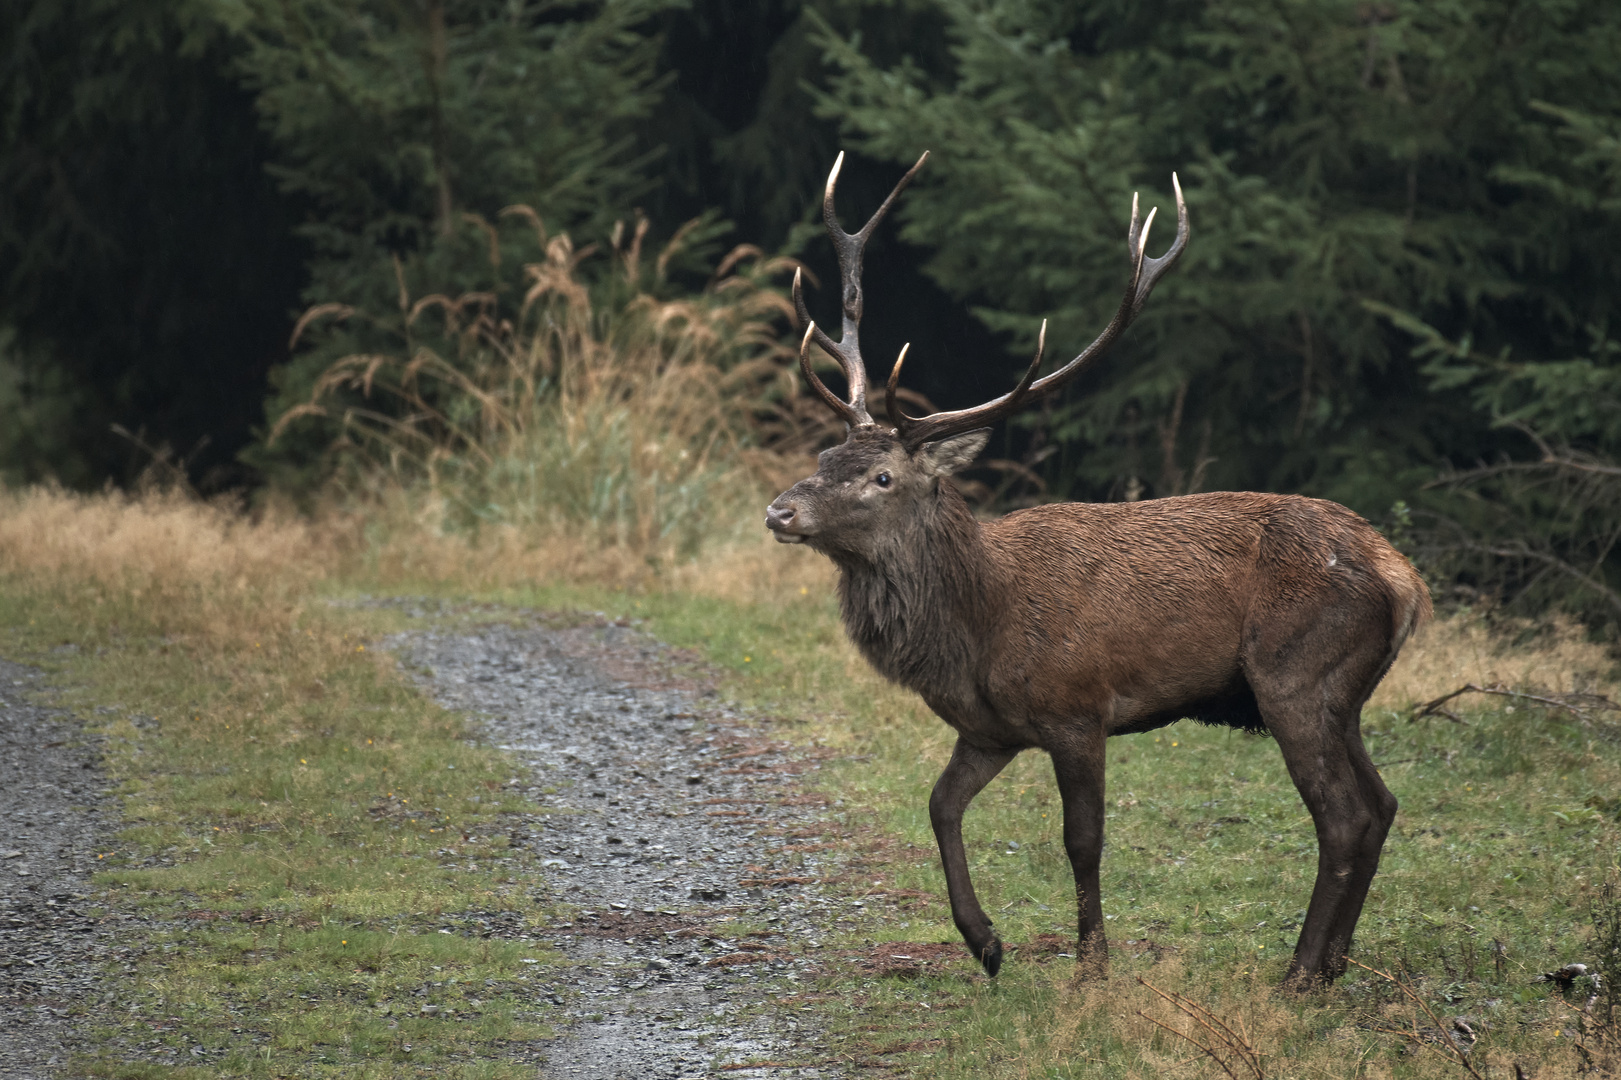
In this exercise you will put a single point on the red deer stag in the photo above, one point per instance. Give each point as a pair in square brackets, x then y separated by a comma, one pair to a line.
[1058, 626]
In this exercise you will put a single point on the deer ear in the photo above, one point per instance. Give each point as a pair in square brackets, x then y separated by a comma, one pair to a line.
[953, 455]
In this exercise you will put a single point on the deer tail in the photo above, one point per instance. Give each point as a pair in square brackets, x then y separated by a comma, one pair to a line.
[1412, 607]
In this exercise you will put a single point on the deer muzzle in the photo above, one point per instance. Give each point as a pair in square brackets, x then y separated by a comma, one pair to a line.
[783, 519]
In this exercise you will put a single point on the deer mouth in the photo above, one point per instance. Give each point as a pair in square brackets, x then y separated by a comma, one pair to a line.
[780, 530]
[783, 521]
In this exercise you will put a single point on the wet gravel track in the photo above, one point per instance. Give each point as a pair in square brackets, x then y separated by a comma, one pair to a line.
[54, 816]
[673, 830]
[676, 834]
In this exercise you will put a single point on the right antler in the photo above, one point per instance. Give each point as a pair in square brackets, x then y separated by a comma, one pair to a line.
[847, 350]
[1145, 273]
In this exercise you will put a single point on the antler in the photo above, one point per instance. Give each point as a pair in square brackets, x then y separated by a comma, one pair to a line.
[1145, 273]
[847, 350]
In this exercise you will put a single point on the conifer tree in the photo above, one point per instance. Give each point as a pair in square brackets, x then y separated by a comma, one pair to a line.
[408, 125]
[1333, 153]
[1539, 524]
[146, 260]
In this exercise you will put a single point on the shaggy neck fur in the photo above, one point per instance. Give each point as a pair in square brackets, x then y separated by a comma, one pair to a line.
[915, 606]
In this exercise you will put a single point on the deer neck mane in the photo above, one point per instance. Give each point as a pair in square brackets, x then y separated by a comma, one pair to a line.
[916, 606]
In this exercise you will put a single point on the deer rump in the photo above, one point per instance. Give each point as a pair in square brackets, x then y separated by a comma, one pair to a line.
[1058, 626]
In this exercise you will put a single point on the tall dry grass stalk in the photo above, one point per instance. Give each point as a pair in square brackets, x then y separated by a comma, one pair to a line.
[635, 422]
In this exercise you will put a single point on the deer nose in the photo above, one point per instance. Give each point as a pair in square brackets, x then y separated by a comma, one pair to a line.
[778, 518]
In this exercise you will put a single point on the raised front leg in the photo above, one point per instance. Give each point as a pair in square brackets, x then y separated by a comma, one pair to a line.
[1079, 769]
[970, 769]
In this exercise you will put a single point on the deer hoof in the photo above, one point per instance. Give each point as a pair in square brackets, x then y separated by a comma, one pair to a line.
[991, 957]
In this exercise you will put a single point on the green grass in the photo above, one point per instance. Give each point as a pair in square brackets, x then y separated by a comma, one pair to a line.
[297, 839]
[310, 844]
[1210, 854]
[1507, 826]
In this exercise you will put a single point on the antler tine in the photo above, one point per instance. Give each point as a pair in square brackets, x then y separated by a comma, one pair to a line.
[877, 215]
[1145, 273]
[916, 430]
[1154, 269]
[849, 248]
[1029, 379]
[853, 411]
[892, 408]
[834, 402]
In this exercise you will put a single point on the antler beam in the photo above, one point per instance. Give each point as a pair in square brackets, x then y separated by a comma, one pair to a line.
[847, 350]
[1145, 273]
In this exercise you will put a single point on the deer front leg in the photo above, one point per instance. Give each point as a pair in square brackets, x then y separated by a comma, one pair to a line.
[1079, 771]
[970, 769]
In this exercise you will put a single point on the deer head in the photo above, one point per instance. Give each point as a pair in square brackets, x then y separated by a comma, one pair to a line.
[872, 491]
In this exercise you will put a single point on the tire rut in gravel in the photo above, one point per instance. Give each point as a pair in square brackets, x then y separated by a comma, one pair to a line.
[677, 833]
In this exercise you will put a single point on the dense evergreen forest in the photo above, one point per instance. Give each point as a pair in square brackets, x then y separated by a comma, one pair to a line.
[1400, 292]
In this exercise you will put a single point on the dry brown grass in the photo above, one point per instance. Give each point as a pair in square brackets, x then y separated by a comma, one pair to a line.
[407, 542]
[1459, 649]
[207, 564]
[1292, 1038]
[611, 416]
[404, 541]
[755, 569]
[163, 562]
[1086, 1013]
[161, 541]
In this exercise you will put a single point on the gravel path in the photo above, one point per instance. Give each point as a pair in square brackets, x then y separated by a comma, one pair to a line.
[54, 815]
[676, 835]
[673, 832]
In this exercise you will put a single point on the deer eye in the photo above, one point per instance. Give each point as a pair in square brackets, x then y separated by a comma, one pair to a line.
[883, 479]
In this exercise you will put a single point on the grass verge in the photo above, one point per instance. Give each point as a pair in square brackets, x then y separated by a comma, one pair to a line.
[319, 857]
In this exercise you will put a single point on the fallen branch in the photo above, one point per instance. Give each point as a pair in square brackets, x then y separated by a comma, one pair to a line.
[1563, 701]
[1235, 1042]
[1418, 1039]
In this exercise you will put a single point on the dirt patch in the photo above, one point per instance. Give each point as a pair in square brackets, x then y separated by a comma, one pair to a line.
[918, 959]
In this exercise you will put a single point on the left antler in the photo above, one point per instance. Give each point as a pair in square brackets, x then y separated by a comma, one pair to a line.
[847, 350]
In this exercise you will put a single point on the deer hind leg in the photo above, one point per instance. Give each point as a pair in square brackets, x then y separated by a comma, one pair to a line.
[969, 770]
[1382, 803]
[1079, 770]
[1352, 811]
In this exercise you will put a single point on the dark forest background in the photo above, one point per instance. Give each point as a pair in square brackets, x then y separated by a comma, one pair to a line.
[1400, 292]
